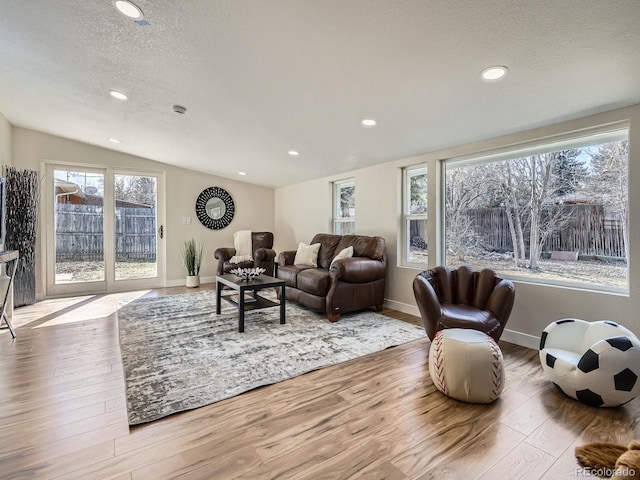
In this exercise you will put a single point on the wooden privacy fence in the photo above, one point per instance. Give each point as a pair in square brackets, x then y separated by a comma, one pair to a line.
[585, 229]
[80, 234]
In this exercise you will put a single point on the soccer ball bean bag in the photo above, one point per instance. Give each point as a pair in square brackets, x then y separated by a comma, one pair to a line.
[597, 363]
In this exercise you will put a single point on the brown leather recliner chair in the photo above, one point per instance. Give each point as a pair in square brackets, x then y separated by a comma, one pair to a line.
[463, 298]
[263, 255]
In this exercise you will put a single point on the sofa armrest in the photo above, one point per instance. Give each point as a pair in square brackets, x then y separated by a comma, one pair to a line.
[286, 258]
[224, 254]
[264, 255]
[357, 270]
[264, 258]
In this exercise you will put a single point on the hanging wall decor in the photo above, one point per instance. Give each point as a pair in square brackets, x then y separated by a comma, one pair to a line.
[215, 208]
[23, 193]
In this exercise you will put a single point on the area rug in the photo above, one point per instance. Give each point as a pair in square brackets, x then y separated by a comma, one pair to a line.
[178, 354]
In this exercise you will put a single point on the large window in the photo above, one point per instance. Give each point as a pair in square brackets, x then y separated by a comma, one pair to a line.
[414, 216]
[344, 207]
[554, 213]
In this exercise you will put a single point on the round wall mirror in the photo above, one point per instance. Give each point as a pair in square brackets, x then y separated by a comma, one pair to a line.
[215, 208]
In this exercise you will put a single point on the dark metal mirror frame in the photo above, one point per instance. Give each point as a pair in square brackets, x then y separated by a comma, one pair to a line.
[201, 208]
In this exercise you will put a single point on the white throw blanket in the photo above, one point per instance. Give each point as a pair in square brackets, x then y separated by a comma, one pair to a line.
[242, 244]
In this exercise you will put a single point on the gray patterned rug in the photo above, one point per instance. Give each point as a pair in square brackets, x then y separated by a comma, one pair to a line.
[178, 354]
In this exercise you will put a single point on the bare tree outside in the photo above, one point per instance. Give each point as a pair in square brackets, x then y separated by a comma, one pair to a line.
[136, 189]
[610, 176]
[515, 205]
[464, 190]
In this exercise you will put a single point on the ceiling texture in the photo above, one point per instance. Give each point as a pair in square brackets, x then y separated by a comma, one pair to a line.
[261, 77]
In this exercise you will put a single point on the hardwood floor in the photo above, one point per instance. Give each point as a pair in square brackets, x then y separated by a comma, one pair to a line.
[63, 415]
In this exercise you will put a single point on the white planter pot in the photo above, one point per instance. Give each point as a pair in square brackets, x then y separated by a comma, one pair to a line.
[193, 281]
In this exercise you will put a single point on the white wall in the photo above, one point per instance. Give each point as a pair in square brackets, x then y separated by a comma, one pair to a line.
[6, 142]
[6, 159]
[254, 204]
[304, 209]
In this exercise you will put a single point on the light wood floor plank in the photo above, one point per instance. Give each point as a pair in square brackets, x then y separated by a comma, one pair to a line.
[472, 457]
[522, 463]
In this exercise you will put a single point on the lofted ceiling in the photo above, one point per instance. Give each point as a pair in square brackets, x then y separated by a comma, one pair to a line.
[261, 77]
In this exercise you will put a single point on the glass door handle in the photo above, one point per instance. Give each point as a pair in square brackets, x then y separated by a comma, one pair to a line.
[161, 231]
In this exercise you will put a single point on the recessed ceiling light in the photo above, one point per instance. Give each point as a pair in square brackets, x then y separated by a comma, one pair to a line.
[494, 73]
[119, 95]
[293, 153]
[128, 9]
[114, 140]
[242, 173]
[369, 122]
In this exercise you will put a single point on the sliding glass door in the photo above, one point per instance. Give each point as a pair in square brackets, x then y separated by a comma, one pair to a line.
[79, 226]
[136, 229]
[103, 230]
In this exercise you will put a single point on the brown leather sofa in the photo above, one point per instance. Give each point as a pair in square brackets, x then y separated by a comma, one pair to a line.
[463, 298]
[350, 284]
[263, 255]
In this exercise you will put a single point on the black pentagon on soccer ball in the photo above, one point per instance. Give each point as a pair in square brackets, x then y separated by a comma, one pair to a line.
[625, 380]
[588, 362]
[543, 339]
[551, 360]
[621, 343]
[589, 397]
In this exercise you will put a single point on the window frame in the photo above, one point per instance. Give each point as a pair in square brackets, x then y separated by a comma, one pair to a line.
[335, 218]
[406, 217]
[589, 137]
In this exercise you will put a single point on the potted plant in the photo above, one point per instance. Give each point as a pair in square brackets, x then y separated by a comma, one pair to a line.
[192, 258]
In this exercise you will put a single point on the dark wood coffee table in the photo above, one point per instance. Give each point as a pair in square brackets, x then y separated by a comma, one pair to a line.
[244, 294]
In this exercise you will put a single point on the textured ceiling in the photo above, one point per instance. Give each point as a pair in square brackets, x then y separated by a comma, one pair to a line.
[261, 77]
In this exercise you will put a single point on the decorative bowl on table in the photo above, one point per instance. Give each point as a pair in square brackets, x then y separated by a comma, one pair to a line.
[248, 273]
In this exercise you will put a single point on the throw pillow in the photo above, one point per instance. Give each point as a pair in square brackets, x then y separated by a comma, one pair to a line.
[344, 253]
[307, 255]
[242, 244]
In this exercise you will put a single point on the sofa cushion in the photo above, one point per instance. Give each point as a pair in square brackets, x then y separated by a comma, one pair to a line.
[307, 254]
[261, 240]
[363, 246]
[328, 243]
[289, 273]
[314, 280]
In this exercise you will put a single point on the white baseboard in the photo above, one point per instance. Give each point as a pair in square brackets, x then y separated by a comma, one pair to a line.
[511, 336]
[402, 307]
[522, 339]
[183, 282]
